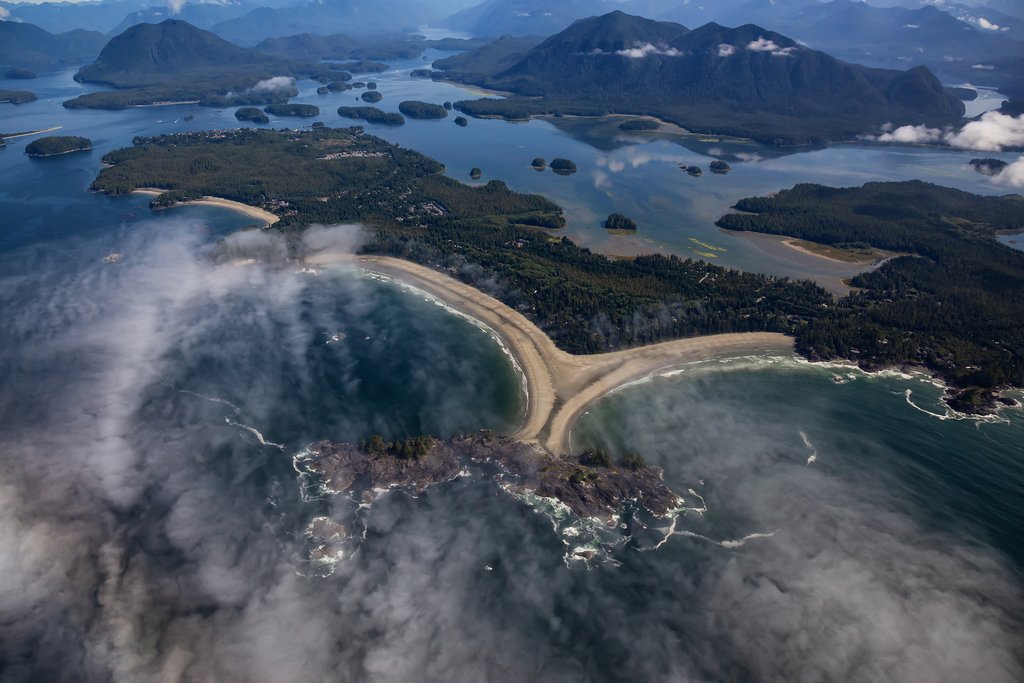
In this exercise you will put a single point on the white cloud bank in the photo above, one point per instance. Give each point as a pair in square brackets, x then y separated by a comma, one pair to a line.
[4, 13]
[993, 132]
[1012, 175]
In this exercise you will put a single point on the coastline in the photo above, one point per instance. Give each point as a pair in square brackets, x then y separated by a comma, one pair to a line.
[560, 386]
[27, 133]
[219, 202]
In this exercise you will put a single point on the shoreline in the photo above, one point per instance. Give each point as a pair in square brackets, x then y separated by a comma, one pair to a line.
[219, 202]
[559, 386]
[27, 133]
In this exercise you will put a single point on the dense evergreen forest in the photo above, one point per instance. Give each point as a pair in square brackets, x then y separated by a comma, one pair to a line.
[955, 307]
[57, 144]
[954, 303]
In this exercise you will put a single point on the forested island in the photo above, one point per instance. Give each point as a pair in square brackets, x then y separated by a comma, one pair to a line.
[371, 95]
[617, 221]
[17, 96]
[56, 145]
[562, 166]
[937, 309]
[18, 73]
[953, 304]
[253, 114]
[422, 110]
[292, 109]
[371, 115]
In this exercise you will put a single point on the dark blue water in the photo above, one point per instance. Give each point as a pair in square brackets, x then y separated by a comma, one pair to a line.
[154, 528]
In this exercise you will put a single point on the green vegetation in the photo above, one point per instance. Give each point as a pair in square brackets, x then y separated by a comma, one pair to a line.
[422, 110]
[371, 85]
[371, 96]
[475, 173]
[421, 73]
[251, 114]
[988, 166]
[720, 167]
[364, 66]
[17, 73]
[17, 96]
[695, 171]
[954, 308]
[788, 95]
[617, 221]
[562, 166]
[292, 109]
[539, 163]
[334, 86]
[595, 458]
[640, 124]
[407, 449]
[57, 144]
[461, 121]
[954, 304]
[371, 115]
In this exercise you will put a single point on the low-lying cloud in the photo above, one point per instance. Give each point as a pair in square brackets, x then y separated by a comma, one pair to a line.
[274, 84]
[763, 44]
[1012, 175]
[640, 51]
[993, 132]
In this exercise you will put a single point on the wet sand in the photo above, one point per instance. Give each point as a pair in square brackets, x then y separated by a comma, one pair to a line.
[250, 211]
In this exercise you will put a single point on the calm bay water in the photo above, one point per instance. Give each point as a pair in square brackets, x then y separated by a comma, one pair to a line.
[842, 528]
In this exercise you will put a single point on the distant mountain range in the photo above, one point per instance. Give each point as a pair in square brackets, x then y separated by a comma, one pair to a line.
[326, 17]
[851, 30]
[745, 81]
[28, 45]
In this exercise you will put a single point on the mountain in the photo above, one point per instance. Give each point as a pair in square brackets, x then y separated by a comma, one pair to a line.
[154, 54]
[326, 17]
[200, 15]
[522, 17]
[876, 36]
[309, 47]
[60, 17]
[28, 45]
[746, 81]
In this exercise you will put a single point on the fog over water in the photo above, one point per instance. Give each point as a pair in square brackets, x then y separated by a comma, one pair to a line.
[146, 537]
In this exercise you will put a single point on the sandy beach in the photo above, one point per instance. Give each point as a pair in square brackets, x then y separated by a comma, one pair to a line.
[560, 386]
[250, 211]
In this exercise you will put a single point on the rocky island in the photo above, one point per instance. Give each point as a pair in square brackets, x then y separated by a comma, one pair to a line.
[590, 485]
[17, 96]
[562, 166]
[617, 221]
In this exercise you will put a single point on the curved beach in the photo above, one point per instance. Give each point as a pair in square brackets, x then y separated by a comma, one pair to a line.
[250, 211]
[560, 386]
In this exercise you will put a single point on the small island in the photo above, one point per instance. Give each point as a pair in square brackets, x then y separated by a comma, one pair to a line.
[693, 170]
[461, 121]
[358, 84]
[640, 124]
[563, 166]
[371, 85]
[475, 173]
[617, 221]
[539, 164]
[333, 86]
[988, 166]
[719, 167]
[371, 115]
[17, 96]
[421, 73]
[371, 96]
[18, 74]
[415, 109]
[251, 114]
[364, 66]
[57, 145]
[304, 111]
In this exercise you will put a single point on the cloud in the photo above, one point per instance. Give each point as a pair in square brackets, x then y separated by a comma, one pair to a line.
[726, 50]
[983, 67]
[273, 84]
[4, 13]
[993, 132]
[1012, 175]
[764, 45]
[639, 51]
[175, 6]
